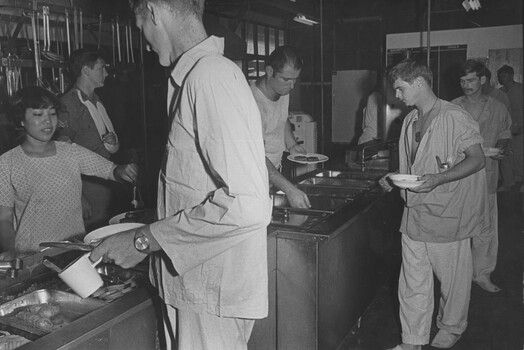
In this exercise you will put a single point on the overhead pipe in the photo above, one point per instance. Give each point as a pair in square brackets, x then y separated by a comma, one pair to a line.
[428, 35]
[322, 133]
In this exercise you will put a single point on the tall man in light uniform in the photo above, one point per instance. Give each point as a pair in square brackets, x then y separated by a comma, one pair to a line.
[209, 252]
[271, 92]
[494, 123]
[442, 214]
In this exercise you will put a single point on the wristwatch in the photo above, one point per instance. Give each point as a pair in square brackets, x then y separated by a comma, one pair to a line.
[142, 243]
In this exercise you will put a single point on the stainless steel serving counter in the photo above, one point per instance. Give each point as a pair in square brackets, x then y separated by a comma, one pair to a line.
[325, 266]
[324, 272]
[128, 322]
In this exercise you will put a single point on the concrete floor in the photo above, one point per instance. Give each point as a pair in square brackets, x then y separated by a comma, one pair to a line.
[496, 320]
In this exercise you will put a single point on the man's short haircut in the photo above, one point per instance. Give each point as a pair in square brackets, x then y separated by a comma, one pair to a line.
[505, 69]
[34, 97]
[409, 69]
[81, 58]
[182, 7]
[282, 56]
[473, 66]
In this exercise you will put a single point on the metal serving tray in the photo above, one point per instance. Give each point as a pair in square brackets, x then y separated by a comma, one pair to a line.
[333, 192]
[296, 218]
[365, 175]
[338, 182]
[71, 305]
[318, 203]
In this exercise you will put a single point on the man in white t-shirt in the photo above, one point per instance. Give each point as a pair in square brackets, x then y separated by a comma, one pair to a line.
[271, 93]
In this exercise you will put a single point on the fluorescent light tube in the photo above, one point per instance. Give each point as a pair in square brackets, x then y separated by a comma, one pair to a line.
[300, 18]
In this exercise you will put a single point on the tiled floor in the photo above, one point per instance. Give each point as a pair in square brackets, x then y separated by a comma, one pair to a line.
[496, 321]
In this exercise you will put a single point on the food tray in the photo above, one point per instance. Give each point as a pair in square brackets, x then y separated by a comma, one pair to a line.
[296, 218]
[143, 216]
[365, 175]
[338, 182]
[71, 305]
[318, 203]
[333, 192]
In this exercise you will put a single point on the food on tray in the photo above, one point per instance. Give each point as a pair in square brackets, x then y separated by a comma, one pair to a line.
[10, 341]
[34, 308]
[308, 158]
[40, 316]
[140, 216]
[35, 320]
[49, 310]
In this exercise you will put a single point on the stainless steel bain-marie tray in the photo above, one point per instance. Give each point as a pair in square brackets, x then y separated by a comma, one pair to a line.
[338, 182]
[332, 192]
[71, 305]
[318, 203]
[296, 218]
[341, 174]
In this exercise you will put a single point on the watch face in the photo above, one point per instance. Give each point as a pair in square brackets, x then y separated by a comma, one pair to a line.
[141, 243]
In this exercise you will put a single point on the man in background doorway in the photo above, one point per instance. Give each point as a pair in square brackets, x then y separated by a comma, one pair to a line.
[506, 164]
[514, 91]
[83, 120]
[271, 92]
[494, 123]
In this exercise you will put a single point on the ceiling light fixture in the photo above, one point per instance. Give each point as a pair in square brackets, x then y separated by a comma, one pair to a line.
[300, 18]
[471, 4]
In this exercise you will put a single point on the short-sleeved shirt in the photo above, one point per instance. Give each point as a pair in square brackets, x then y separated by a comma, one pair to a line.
[274, 116]
[76, 123]
[495, 124]
[453, 211]
[46, 192]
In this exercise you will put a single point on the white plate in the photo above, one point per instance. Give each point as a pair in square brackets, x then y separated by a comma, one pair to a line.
[406, 180]
[298, 158]
[106, 231]
[116, 219]
[491, 152]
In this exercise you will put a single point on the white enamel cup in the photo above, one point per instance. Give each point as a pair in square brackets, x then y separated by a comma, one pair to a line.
[82, 277]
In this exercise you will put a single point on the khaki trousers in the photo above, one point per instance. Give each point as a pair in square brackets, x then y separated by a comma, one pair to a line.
[451, 263]
[186, 330]
[484, 248]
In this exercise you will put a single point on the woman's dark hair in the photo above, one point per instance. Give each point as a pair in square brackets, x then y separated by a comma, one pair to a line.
[81, 58]
[34, 97]
[282, 56]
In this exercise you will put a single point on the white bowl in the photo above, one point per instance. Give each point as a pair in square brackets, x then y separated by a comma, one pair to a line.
[406, 180]
[106, 231]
